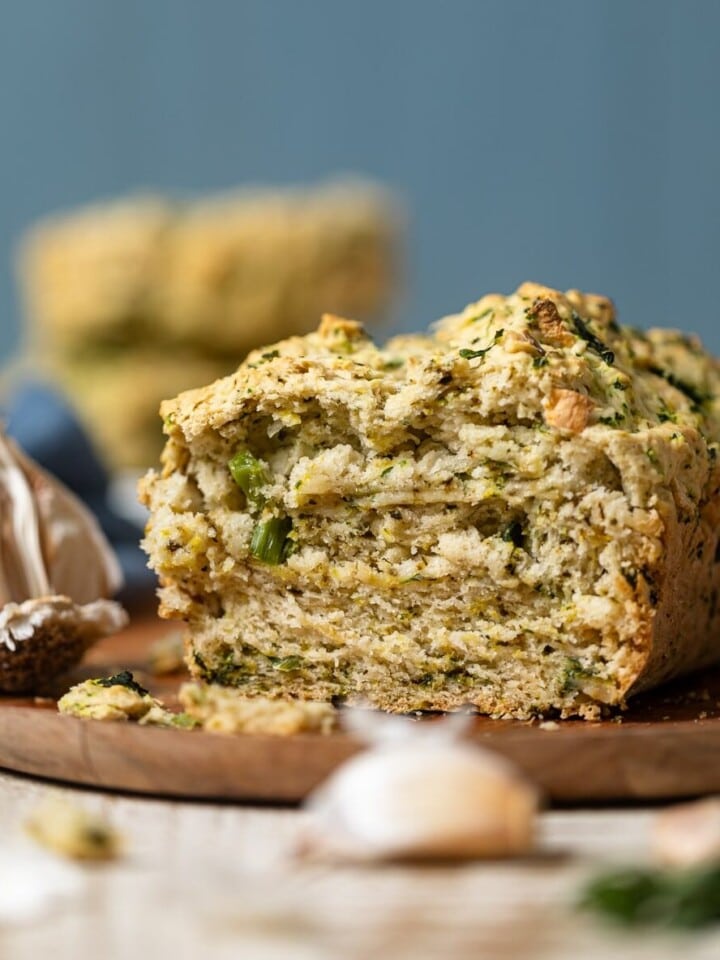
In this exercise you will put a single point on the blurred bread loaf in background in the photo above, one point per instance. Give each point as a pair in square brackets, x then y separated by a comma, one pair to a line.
[132, 301]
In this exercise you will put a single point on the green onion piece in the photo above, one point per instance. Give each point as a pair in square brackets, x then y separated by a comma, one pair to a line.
[288, 664]
[270, 540]
[250, 475]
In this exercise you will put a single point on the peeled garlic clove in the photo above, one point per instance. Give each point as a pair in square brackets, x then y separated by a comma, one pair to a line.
[424, 797]
[688, 835]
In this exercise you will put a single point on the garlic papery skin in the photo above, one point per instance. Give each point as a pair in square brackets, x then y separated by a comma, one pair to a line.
[688, 834]
[56, 571]
[424, 797]
[50, 542]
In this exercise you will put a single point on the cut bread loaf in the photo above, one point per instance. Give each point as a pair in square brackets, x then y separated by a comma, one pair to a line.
[518, 512]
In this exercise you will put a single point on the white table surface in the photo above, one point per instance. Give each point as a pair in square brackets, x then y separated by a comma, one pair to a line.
[208, 880]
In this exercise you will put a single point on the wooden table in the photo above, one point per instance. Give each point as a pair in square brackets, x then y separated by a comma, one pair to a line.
[215, 881]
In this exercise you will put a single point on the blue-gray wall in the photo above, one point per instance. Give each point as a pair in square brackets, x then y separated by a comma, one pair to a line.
[576, 142]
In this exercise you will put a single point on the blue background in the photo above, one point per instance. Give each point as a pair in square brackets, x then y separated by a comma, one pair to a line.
[568, 141]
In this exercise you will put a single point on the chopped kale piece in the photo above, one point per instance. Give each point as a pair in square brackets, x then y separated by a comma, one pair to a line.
[513, 533]
[613, 421]
[690, 391]
[123, 679]
[573, 673]
[595, 344]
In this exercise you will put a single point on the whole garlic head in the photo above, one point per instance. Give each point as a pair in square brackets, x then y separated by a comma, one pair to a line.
[56, 569]
[419, 792]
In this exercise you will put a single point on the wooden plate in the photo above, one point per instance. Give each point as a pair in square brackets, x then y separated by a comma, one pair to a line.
[667, 745]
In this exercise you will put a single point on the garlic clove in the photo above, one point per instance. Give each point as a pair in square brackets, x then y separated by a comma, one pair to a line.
[423, 797]
[688, 834]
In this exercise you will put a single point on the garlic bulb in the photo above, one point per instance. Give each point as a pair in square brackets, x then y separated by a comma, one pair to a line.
[688, 835]
[56, 568]
[419, 792]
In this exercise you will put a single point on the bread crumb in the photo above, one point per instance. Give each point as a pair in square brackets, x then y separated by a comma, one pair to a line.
[73, 832]
[119, 698]
[225, 710]
[549, 725]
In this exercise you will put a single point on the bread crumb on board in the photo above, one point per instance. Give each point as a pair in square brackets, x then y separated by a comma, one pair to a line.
[119, 698]
[549, 725]
[224, 710]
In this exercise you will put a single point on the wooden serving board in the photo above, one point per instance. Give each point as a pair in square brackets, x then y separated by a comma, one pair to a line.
[667, 745]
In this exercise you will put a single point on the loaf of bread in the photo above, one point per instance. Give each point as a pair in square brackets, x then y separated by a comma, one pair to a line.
[518, 512]
[218, 275]
[132, 301]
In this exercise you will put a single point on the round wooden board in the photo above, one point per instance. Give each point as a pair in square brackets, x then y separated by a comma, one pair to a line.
[667, 745]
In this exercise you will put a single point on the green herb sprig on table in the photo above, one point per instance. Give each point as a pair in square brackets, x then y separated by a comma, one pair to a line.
[682, 899]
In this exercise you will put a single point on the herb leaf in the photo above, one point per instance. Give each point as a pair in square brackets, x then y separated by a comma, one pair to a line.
[468, 354]
[683, 899]
[123, 679]
[683, 386]
[584, 332]
[513, 533]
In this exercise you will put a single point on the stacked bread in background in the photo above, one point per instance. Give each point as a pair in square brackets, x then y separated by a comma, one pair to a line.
[132, 301]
